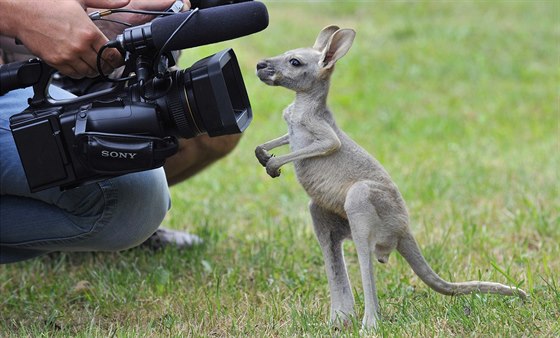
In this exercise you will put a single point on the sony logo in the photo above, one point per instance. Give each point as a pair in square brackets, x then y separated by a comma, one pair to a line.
[118, 154]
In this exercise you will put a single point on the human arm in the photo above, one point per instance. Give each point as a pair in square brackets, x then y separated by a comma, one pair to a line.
[51, 23]
[112, 29]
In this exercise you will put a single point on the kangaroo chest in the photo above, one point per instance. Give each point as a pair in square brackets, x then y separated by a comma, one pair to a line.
[319, 175]
[300, 136]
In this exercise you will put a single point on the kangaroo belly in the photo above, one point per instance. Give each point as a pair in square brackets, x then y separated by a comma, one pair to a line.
[327, 179]
[324, 184]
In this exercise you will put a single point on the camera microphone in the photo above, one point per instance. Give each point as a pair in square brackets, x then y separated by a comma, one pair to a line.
[213, 3]
[206, 26]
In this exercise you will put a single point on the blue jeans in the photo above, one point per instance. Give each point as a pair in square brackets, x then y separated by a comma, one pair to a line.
[114, 214]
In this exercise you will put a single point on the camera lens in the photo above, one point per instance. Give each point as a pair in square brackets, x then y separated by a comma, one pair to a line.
[209, 97]
[184, 117]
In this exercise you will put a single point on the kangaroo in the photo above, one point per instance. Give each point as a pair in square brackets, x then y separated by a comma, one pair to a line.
[352, 196]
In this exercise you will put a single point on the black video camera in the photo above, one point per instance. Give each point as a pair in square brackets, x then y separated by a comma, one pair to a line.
[133, 125]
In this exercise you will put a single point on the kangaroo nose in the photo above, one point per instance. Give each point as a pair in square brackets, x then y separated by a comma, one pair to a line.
[261, 65]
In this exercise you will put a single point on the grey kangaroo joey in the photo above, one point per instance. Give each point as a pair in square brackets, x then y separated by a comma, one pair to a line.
[352, 196]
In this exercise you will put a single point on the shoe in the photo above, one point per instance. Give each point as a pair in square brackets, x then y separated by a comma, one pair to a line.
[167, 237]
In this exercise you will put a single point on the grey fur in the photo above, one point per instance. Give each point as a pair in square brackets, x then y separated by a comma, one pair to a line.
[352, 196]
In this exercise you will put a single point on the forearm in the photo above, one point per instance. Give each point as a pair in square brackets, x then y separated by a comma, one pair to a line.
[8, 19]
[275, 143]
[60, 33]
[112, 29]
[8, 28]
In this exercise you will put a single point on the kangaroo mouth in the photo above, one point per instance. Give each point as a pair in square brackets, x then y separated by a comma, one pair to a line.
[267, 75]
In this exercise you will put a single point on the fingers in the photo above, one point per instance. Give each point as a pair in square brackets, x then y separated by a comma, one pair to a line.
[76, 68]
[85, 64]
[151, 5]
[108, 4]
[157, 5]
[111, 57]
[80, 59]
[67, 69]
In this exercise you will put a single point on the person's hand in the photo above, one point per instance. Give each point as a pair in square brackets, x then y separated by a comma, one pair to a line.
[111, 29]
[61, 33]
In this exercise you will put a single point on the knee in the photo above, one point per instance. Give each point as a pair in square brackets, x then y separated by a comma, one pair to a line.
[357, 198]
[197, 153]
[141, 203]
[217, 147]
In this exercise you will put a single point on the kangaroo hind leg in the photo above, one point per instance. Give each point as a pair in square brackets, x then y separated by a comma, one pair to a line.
[331, 230]
[369, 234]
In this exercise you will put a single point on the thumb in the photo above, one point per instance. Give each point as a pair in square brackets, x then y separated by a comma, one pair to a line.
[106, 4]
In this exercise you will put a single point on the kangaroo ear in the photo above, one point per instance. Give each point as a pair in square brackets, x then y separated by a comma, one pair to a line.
[324, 36]
[338, 45]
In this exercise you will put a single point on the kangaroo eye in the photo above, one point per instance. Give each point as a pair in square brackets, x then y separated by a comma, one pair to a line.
[295, 62]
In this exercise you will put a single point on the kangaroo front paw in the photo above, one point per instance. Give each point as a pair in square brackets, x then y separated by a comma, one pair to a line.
[272, 168]
[262, 155]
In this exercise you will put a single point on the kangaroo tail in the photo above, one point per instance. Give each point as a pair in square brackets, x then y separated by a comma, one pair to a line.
[409, 249]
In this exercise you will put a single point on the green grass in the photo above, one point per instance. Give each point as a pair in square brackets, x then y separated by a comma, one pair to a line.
[458, 100]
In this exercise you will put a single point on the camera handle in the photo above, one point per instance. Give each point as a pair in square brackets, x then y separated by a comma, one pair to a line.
[37, 73]
[32, 72]
[116, 154]
[19, 75]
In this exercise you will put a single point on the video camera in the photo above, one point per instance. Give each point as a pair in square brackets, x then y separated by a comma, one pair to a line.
[133, 124]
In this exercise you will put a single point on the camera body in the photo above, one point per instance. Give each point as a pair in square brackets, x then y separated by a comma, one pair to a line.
[130, 127]
[132, 123]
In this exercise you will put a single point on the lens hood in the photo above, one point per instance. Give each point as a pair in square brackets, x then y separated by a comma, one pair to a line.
[217, 95]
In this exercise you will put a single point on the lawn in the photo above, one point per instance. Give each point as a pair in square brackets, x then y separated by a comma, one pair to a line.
[458, 100]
